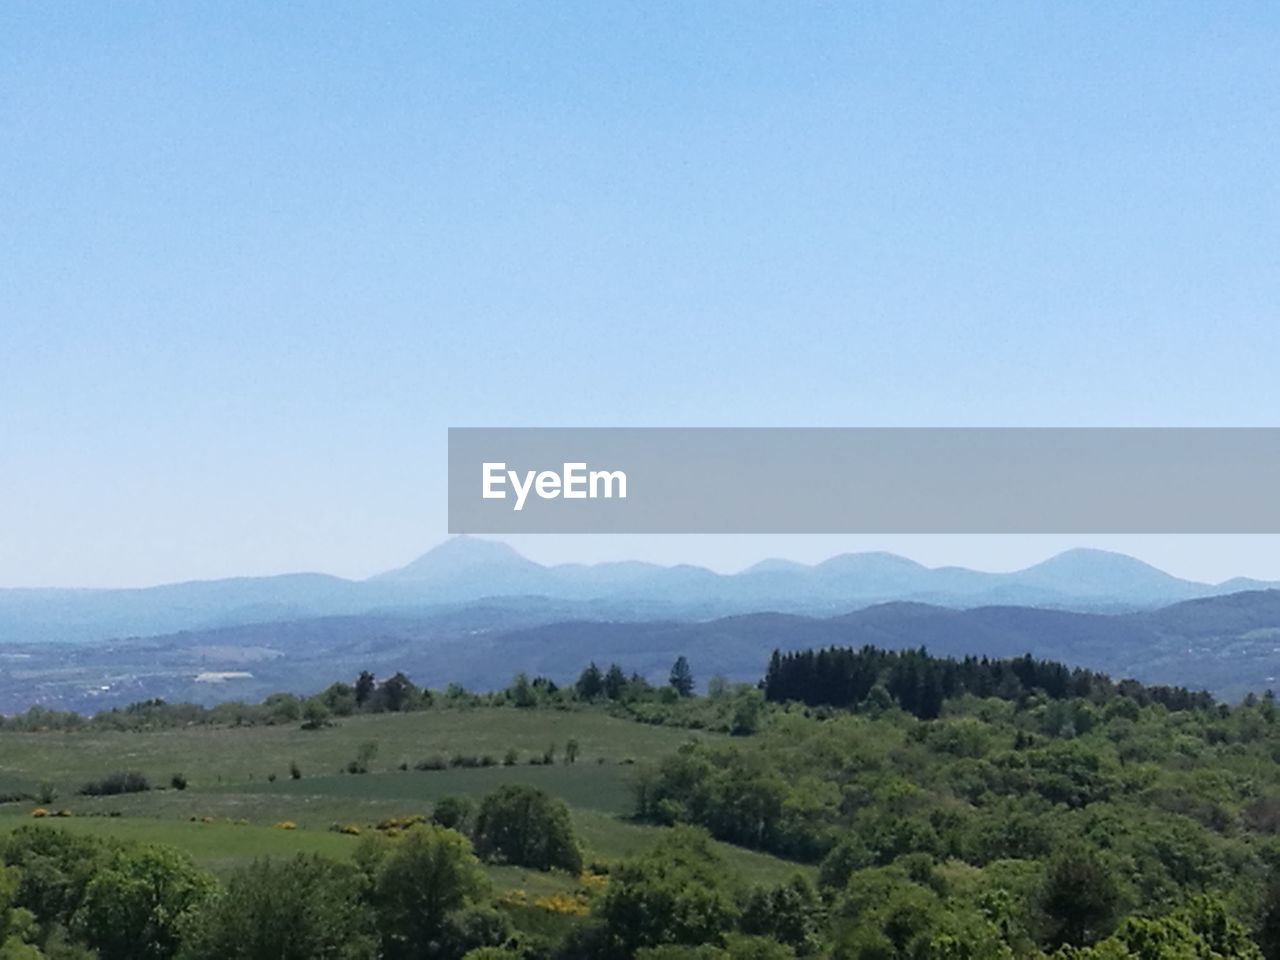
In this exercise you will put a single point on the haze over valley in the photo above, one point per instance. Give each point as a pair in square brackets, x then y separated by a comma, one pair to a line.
[469, 604]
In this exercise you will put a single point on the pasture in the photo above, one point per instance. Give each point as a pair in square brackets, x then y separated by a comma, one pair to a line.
[239, 784]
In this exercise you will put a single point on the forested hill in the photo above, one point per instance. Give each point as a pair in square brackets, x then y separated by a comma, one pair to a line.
[921, 684]
[1226, 645]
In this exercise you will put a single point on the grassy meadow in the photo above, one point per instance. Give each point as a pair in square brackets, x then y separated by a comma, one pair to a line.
[239, 785]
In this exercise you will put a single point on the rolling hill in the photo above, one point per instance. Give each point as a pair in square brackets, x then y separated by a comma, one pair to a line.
[1229, 645]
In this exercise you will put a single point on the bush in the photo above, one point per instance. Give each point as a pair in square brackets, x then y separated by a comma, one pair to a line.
[295, 772]
[476, 931]
[453, 812]
[304, 907]
[139, 902]
[436, 761]
[418, 881]
[178, 781]
[471, 761]
[116, 783]
[45, 795]
[677, 893]
[364, 756]
[522, 825]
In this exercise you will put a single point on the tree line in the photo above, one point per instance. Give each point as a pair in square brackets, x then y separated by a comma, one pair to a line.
[920, 684]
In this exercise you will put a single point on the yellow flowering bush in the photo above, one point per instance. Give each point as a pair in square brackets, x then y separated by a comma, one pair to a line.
[592, 882]
[561, 903]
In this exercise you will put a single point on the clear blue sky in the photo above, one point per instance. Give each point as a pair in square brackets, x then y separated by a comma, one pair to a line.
[255, 258]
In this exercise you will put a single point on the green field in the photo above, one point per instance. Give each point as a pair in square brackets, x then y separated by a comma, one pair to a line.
[219, 756]
[239, 784]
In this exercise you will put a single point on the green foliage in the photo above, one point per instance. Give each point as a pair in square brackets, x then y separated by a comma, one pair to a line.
[295, 909]
[138, 902]
[676, 894]
[790, 913]
[116, 783]
[492, 953]
[522, 693]
[473, 929]
[524, 826]
[1203, 930]
[1079, 900]
[682, 677]
[419, 880]
[590, 684]
[748, 712]
[453, 813]
[54, 869]
[985, 809]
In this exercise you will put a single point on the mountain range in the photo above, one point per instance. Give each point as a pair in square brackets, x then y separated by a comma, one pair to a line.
[1229, 645]
[465, 570]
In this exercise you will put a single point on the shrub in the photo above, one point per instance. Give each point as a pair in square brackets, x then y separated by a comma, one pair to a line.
[139, 901]
[315, 715]
[522, 825]
[676, 893]
[364, 756]
[453, 812]
[511, 758]
[436, 761]
[295, 772]
[116, 783]
[417, 882]
[477, 931]
[304, 907]
[178, 781]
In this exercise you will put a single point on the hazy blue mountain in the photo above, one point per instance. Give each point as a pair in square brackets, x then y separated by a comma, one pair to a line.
[1225, 644]
[466, 569]
[1098, 573]
[465, 557]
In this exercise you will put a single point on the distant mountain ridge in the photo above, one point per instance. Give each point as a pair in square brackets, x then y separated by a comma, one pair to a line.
[464, 570]
[1228, 645]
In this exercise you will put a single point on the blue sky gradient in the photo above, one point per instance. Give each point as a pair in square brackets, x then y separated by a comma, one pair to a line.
[255, 258]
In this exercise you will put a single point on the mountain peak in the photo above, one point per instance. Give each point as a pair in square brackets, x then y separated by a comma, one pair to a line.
[1084, 571]
[1083, 559]
[877, 561]
[458, 554]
